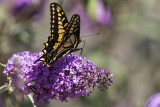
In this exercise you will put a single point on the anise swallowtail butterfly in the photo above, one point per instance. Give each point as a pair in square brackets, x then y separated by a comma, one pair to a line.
[64, 38]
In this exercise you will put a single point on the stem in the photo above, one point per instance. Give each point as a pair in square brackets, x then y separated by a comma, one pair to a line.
[3, 65]
[3, 89]
[31, 99]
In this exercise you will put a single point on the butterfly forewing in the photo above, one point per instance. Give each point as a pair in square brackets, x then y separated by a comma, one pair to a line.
[58, 26]
[58, 22]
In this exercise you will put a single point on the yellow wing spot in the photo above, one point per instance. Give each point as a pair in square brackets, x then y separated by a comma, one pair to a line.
[46, 44]
[52, 26]
[63, 19]
[59, 14]
[71, 28]
[75, 30]
[53, 12]
[53, 8]
[59, 18]
[54, 58]
[65, 25]
[44, 63]
[60, 37]
[58, 10]
[50, 38]
[42, 59]
[49, 65]
[70, 31]
[61, 31]
[62, 12]
[53, 16]
[59, 22]
[52, 4]
[52, 31]
[53, 21]
[75, 25]
[55, 46]
[74, 22]
[45, 51]
[60, 27]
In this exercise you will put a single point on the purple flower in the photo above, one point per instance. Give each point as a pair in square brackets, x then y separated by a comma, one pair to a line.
[86, 23]
[67, 78]
[103, 15]
[20, 67]
[20, 5]
[24, 9]
[154, 101]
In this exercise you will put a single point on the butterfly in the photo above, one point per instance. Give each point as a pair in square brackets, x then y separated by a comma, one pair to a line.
[64, 38]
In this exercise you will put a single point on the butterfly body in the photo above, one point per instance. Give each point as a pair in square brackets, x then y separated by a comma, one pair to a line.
[64, 38]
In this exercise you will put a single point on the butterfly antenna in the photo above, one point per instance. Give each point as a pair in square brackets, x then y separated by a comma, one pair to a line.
[90, 35]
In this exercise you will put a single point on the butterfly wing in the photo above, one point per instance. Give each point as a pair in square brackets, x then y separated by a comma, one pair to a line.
[58, 26]
[58, 22]
[74, 32]
[72, 38]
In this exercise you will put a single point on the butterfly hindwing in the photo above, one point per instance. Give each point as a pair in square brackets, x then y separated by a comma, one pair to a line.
[73, 38]
[74, 26]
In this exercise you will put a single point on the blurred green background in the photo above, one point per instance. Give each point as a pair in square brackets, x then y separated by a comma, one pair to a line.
[128, 44]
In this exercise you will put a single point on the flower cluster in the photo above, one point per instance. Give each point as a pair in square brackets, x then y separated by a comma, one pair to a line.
[86, 23]
[68, 77]
[154, 101]
[19, 67]
[104, 15]
[32, 8]
[28, 7]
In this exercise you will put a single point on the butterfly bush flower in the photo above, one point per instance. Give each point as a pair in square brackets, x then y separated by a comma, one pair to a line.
[154, 101]
[85, 20]
[19, 67]
[67, 78]
[103, 15]
[21, 9]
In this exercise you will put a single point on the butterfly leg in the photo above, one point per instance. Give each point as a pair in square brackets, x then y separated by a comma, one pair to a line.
[71, 56]
[63, 59]
[81, 49]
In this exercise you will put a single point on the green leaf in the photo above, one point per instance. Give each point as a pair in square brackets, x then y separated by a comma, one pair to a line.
[3, 89]
[30, 96]
[3, 65]
[91, 8]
